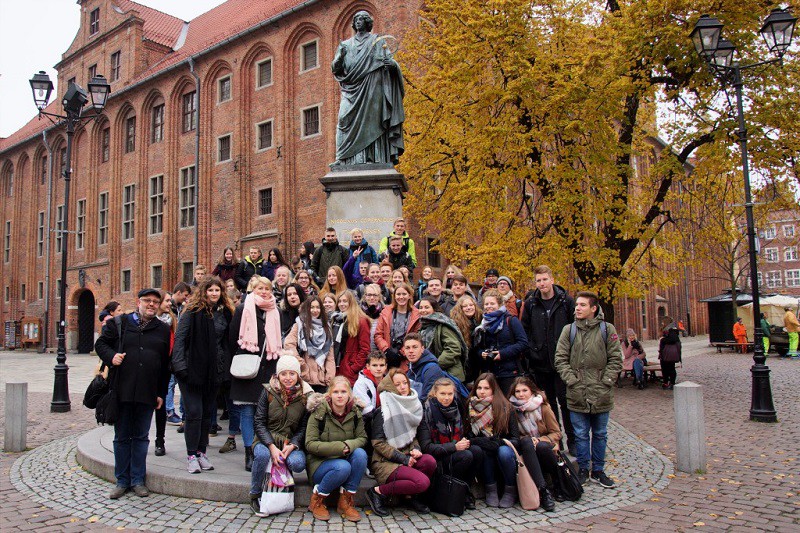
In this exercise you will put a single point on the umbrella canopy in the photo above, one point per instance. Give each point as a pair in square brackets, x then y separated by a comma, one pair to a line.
[772, 307]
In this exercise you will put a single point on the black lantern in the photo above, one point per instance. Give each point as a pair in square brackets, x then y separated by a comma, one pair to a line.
[723, 55]
[705, 35]
[777, 31]
[99, 90]
[42, 88]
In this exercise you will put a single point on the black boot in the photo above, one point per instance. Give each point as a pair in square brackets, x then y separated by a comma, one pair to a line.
[377, 502]
[470, 501]
[160, 450]
[418, 505]
[248, 458]
[546, 500]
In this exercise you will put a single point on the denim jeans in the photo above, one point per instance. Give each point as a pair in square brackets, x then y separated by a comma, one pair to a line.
[169, 401]
[345, 473]
[131, 440]
[505, 461]
[638, 369]
[296, 463]
[234, 422]
[597, 423]
[247, 414]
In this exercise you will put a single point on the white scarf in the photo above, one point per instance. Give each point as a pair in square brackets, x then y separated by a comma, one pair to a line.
[318, 345]
[401, 417]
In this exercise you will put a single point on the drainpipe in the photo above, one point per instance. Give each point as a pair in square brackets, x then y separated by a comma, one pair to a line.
[46, 318]
[196, 165]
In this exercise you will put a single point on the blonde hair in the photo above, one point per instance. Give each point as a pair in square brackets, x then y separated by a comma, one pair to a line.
[255, 281]
[439, 383]
[339, 380]
[454, 269]
[354, 313]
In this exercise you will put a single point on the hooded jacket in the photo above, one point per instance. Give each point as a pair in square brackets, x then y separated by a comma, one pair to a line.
[246, 270]
[279, 424]
[424, 373]
[589, 366]
[330, 442]
[543, 330]
[408, 246]
[446, 343]
[367, 254]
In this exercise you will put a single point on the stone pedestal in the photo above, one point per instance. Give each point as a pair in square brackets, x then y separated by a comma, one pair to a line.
[16, 432]
[690, 427]
[369, 197]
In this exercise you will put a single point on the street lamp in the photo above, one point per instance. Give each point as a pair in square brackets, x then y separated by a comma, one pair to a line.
[74, 100]
[718, 53]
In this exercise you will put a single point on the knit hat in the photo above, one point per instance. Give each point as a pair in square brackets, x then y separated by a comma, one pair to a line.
[288, 362]
[630, 332]
[492, 272]
[507, 280]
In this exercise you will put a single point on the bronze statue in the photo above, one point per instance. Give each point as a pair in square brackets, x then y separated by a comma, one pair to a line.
[371, 115]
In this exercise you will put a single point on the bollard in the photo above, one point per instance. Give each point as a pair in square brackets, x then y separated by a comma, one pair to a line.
[16, 435]
[690, 427]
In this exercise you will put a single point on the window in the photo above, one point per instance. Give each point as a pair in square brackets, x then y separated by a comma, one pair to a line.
[80, 224]
[790, 253]
[264, 73]
[62, 162]
[102, 218]
[265, 201]
[224, 85]
[770, 232]
[224, 148]
[156, 275]
[105, 145]
[40, 234]
[156, 204]
[125, 280]
[157, 124]
[115, 66]
[788, 231]
[310, 121]
[187, 271]
[187, 189]
[644, 314]
[58, 289]
[189, 111]
[9, 182]
[7, 243]
[434, 259]
[265, 135]
[92, 72]
[8, 294]
[43, 170]
[40, 290]
[60, 231]
[774, 279]
[94, 21]
[793, 278]
[71, 81]
[23, 289]
[759, 278]
[308, 58]
[771, 255]
[128, 208]
[130, 134]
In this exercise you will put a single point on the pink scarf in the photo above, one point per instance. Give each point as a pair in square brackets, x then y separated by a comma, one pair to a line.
[248, 336]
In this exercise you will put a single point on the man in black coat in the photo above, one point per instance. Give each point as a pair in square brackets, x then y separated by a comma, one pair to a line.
[141, 363]
[545, 313]
[249, 267]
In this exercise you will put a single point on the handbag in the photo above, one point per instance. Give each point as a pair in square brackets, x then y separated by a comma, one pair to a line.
[274, 499]
[107, 406]
[526, 488]
[247, 365]
[97, 388]
[448, 494]
[568, 482]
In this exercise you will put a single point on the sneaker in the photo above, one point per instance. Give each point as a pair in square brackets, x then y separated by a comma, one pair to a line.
[173, 419]
[141, 491]
[601, 477]
[583, 475]
[160, 449]
[204, 463]
[117, 492]
[229, 446]
[255, 506]
[193, 466]
[212, 431]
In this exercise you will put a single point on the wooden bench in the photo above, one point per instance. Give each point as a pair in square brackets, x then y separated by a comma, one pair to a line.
[731, 345]
[651, 372]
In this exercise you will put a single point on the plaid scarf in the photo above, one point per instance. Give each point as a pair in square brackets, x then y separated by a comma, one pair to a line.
[528, 413]
[480, 416]
[288, 395]
[401, 417]
[444, 422]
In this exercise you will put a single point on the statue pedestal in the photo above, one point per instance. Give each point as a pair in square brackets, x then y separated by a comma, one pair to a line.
[369, 197]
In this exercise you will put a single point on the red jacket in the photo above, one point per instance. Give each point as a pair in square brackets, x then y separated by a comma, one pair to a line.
[356, 351]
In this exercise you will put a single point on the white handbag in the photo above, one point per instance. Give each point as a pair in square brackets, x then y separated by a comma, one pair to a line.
[245, 365]
[274, 499]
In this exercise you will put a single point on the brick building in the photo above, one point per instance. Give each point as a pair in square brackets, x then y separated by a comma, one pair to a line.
[779, 254]
[246, 85]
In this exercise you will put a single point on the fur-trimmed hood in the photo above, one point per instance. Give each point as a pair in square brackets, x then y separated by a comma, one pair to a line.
[315, 399]
[274, 386]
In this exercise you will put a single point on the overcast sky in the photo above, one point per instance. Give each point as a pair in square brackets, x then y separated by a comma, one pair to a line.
[34, 34]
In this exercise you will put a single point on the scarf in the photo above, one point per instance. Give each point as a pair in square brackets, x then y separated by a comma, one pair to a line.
[444, 423]
[401, 417]
[528, 414]
[428, 331]
[289, 395]
[347, 409]
[248, 334]
[493, 322]
[480, 416]
[318, 345]
[372, 311]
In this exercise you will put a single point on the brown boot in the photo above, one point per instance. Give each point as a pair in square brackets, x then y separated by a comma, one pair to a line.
[346, 508]
[317, 507]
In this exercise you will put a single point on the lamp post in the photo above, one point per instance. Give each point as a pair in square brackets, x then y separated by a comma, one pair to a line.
[718, 54]
[74, 100]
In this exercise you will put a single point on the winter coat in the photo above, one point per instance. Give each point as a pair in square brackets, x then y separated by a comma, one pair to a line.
[145, 369]
[408, 246]
[326, 437]
[365, 390]
[669, 347]
[589, 366]
[398, 260]
[249, 390]
[790, 322]
[511, 342]
[225, 271]
[549, 429]
[328, 255]
[368, 253]
[200, 356]
[446, 344]
[246, 270]
[310, 371]
[385, 457]
[356, 352]
[268, 269]
[279, 424]
[383, 332]
[543, 329]
[385, 294]
[351, 274]
[492, 444]
[629, 353]
[424, 374]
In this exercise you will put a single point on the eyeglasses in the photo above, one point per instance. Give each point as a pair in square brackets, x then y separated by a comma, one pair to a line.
[150, 301]
[370, 295]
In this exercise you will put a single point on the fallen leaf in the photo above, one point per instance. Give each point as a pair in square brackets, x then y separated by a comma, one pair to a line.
[698, 524]
[94, 518]
[655, 500]
[198, 501]
[671, 476]
[738, 513]
[713, 515]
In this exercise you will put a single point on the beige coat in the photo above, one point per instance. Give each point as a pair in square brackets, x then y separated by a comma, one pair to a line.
[310, 371]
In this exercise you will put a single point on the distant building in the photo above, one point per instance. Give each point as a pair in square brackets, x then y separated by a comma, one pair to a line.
[779, 253]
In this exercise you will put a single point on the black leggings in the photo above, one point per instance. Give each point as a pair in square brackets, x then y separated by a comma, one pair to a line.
[199, 406]
[556, 391]
[538, 460]
[161, 417]
[668, 372]
[463, 464]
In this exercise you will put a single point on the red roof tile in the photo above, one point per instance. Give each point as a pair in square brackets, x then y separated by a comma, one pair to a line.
[33, 127]
[159, 27]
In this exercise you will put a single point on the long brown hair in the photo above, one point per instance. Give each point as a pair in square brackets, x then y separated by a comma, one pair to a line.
[527, 382]
[463, 321]
[501, 407]
[199, 299]
[234, 259]
[305, 316]
[341, 283]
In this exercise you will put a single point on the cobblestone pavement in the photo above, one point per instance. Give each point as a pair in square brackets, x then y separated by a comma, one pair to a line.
[751, 482]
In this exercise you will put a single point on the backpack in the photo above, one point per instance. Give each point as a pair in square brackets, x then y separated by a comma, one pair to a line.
[573, 331]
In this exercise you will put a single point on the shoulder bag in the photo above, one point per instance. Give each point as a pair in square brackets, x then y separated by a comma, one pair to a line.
[568, 483]
[448, 494]
[247, 365]
[526, 488]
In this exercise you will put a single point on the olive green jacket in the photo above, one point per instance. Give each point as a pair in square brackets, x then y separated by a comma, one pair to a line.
[589, 367]
[330, 442]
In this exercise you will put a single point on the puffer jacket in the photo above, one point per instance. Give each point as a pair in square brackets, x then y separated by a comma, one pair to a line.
[276, 423]
[326, 437]
[311, 372]
[589, 367]
[385, 457]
